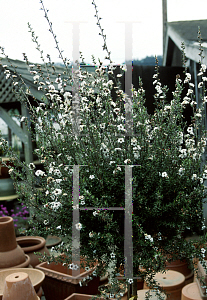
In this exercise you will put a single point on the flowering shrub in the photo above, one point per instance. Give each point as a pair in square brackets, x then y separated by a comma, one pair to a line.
[107, 137]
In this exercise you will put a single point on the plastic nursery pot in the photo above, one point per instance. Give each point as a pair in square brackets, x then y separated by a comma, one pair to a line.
[36, 277]
[11, 254]
[60, 283]
[18, 286]
[32, 244]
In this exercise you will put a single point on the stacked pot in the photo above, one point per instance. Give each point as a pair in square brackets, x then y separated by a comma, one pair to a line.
[15, 269]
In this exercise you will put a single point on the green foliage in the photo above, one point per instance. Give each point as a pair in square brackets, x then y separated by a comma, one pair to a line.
[89, 129]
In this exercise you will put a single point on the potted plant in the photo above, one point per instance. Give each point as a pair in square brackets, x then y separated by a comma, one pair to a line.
[90, 155]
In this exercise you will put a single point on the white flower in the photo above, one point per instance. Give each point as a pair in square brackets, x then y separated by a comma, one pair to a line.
[205, 174]
[22, 119]
[78, 226]
[127, 161]
[203, 251]
[119, 75]
[57, 172]
[58, 180]
[102, 126]
[46, 222]
[39, 173]
[181, 171]
[200, 74]
[189, 92]
[190, 130]
[57, 192]
[10, 171]
[112, 162]
[121, 140]
[91, 176]
[117, 169]
[58, 227]
[113, 255]
[31, 166]
[82, 202]
[194, 177]
[90, 234]
[75, 206]
[183, 153]
[36, 77]
[55, 205]
[167, 107]
[163, 174]
[133, 141]
[193, 103]
[148, 237]
[203, 68]
[95, 213]
[73, 267]
[51, 88]
[200, 85]
[188, 77]
[130, 281]
[120, 127]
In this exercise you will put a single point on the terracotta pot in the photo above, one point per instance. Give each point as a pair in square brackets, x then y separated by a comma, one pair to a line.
[59, 282]
[31, 244]
[191, 292]
[18, 286]
[201, 280]
[52, 241]
[172, 283]
[36, 277]
[182, 267]
[11, 254]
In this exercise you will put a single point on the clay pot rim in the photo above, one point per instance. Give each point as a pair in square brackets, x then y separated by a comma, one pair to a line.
[6, 220]
[26, 270]
[35, 239]
[22, 265]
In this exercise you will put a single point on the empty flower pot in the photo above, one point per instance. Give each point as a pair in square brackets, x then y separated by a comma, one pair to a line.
[18, 286]
[11, 254]
[36, 277]
[59, 282]
[32, 244]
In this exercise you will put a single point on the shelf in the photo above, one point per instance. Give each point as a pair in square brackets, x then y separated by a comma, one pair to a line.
[9, 198]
